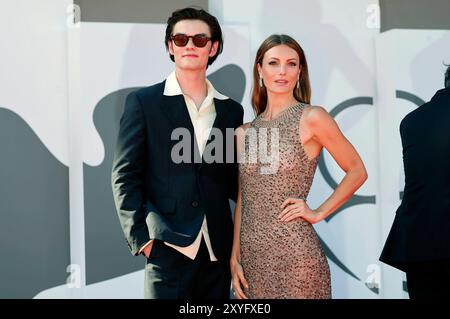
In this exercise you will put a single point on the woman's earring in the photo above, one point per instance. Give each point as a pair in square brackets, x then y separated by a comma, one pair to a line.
[260, 82]
[298, 83]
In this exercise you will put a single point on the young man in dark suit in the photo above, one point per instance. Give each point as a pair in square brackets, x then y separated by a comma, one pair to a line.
[419, 240]
[172, 202]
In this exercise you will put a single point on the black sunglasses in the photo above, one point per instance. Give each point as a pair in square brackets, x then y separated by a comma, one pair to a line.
[199, 40]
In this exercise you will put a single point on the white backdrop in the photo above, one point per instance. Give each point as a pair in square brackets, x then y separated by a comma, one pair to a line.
[66, 71]
[33, 68]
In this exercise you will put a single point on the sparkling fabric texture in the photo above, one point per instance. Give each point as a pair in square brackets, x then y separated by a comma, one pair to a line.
[280, 260]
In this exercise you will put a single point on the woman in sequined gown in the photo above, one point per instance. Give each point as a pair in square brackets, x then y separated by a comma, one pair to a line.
[276, 252]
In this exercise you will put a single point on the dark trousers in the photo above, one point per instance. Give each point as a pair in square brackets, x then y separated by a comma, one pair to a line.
[428, 280]
[171, 275]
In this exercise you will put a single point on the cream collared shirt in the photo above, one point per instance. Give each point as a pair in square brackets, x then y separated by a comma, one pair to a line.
[202, 119]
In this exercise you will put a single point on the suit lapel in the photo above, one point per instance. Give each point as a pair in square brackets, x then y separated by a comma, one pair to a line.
[174, 107]
[219, 123]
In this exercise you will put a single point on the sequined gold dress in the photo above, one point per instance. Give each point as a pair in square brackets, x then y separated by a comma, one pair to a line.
[280, 260]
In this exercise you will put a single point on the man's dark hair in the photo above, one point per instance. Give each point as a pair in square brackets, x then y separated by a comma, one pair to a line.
[447, 76]
[191, 13]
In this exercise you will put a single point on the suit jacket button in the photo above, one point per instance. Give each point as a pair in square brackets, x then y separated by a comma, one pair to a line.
[194, 203]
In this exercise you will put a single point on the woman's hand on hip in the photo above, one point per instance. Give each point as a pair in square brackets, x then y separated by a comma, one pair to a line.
[293, 208]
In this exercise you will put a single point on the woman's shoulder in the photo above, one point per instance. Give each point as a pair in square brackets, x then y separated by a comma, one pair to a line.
[314, 113]
[314, 109]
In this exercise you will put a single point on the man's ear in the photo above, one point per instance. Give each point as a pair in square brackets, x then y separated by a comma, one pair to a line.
[213, 50]
[170, 46]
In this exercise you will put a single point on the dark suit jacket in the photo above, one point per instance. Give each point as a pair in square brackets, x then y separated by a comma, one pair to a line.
[421, 228]
[157, 198]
